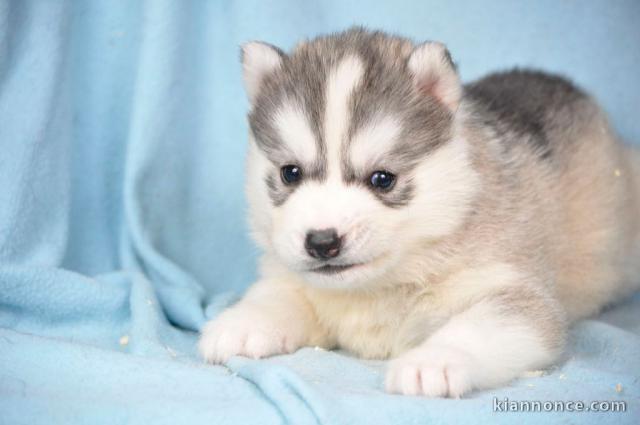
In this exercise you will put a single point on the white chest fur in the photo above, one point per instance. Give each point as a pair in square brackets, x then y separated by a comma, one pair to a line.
[387, 322]
[373, 324]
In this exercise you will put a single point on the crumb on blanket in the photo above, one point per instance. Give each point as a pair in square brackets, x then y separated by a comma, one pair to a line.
[532, 374]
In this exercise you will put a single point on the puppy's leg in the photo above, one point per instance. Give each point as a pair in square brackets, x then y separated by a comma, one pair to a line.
[274, 317]
[496, 339]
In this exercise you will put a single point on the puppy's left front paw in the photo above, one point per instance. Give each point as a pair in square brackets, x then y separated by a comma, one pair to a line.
[431, 372]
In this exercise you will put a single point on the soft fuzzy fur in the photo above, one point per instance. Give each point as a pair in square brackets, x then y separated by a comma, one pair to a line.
[515, 211]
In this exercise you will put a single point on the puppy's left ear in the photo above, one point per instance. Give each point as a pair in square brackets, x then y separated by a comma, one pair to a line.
[258, 60]
[434, 74]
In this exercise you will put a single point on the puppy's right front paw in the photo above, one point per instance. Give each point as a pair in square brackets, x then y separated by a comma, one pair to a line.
[249, 332]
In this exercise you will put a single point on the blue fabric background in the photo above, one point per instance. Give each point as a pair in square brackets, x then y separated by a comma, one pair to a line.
[122, 137]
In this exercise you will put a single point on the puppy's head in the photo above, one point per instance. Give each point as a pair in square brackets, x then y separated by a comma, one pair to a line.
[353, 159]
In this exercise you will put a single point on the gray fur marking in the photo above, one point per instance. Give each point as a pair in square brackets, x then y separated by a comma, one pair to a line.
[519, 102]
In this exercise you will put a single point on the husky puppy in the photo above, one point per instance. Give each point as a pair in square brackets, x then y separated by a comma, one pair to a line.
[454, 229]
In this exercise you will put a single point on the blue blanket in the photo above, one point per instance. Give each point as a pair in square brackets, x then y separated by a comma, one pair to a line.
[122, 136]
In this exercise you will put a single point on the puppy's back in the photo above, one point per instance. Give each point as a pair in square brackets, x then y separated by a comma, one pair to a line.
[528, 107]
[589, 181]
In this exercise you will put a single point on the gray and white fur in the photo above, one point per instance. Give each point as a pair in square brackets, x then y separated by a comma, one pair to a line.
[512, 210]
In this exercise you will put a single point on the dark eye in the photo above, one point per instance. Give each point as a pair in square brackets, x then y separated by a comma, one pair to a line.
[382, 180]
[290, 174]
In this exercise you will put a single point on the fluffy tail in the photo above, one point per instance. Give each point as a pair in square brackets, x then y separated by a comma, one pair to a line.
[635, 168]
[633, 155]
[634, 165]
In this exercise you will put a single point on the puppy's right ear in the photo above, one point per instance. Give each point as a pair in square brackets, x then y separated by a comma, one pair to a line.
[258, 60]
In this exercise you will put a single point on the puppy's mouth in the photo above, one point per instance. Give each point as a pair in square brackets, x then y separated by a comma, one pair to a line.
[334, 268]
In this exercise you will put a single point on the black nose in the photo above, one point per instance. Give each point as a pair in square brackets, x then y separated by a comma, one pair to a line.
[323, 244]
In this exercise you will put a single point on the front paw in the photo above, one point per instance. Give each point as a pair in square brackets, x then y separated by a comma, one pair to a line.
[431, 372]
[250, 332]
